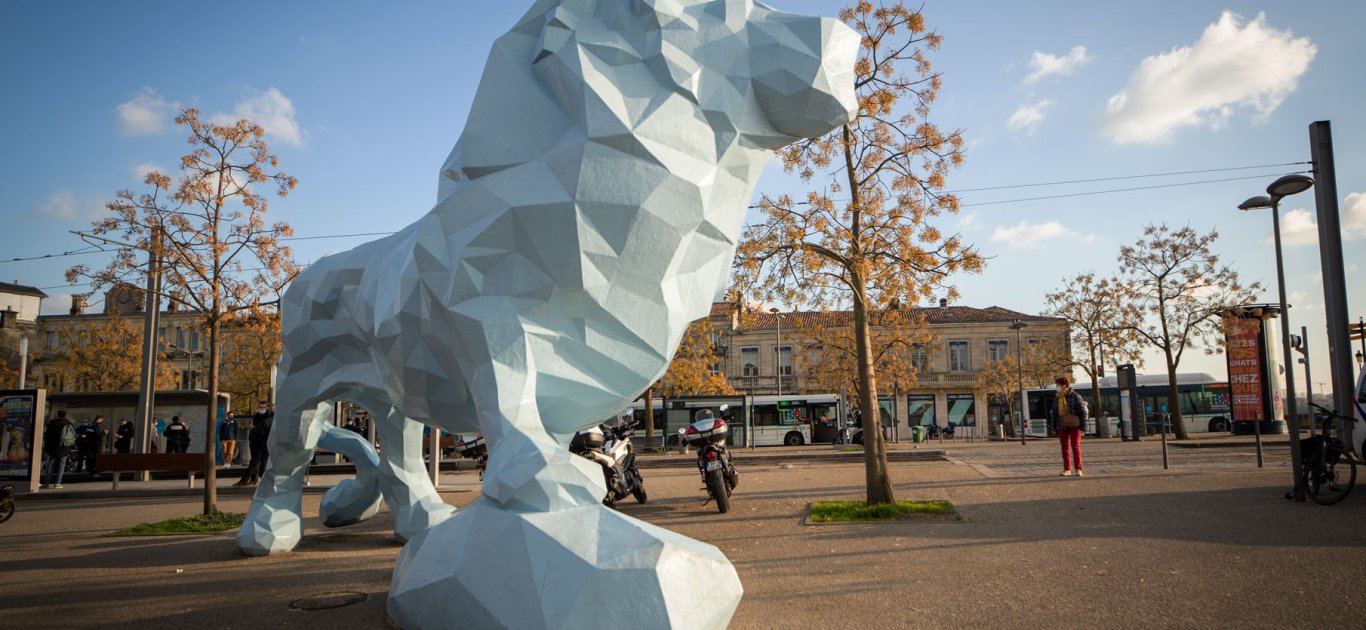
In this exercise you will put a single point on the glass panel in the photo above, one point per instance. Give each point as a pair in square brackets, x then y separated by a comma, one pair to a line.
[961, 410]
[749, 360]
[884, 404]
[920, 410]
[958, 356]
[996, 349]
[785, 360]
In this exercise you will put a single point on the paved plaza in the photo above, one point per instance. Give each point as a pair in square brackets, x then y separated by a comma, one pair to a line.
[1208, 543]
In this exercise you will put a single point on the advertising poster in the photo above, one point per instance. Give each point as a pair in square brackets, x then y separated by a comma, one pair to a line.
[1242, 336]
[16, 435]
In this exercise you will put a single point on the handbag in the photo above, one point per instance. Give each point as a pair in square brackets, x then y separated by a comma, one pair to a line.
[1071, 421]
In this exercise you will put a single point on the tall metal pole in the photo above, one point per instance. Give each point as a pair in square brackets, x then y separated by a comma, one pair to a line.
[1308, 380]
[778, 353]
[1292, 420]
[1330, 257]
[147, 379]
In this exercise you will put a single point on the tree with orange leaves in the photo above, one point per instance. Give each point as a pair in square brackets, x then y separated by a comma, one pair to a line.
[866, 241]
[690, 372]
[218, 255]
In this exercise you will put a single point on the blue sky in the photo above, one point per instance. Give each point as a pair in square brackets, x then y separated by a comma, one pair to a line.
[364, 100]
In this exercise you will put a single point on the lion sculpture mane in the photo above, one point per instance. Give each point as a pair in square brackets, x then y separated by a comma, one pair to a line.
[588, 213]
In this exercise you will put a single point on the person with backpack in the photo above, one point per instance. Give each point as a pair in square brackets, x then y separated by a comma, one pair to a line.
[1068, 417]
[59, 437]
[177, 436]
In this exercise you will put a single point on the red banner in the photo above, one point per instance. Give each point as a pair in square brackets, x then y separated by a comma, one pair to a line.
[1241, 336]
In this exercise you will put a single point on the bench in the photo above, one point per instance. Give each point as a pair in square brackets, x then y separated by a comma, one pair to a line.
[119, 463]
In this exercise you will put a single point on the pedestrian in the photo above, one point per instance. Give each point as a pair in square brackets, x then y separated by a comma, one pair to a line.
[257, 438]
[158, 439]
[123, 436]
[59, 437]
[177, 436]
[97, 433]
[227, 437]
[1068, 417]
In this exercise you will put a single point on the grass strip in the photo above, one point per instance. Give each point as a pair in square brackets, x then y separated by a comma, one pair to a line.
[197, 524]
[860, 511]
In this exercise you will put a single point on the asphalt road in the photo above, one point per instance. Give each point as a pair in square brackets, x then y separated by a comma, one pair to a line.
[1208, 543]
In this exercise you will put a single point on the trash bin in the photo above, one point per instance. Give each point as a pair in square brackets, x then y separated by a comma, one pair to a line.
[917, 434]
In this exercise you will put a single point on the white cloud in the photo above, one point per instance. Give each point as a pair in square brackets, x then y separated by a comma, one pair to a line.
[1029, 117]
[63, 205]
[968, 221]
[1042, 64]
[146, 114]
[59, 304]
[1300, 227]
[1235, 66]
[1026, 235]
[140, 171]
[272, 110]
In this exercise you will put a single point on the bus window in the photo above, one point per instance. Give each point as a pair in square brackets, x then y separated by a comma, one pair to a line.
[766, 416]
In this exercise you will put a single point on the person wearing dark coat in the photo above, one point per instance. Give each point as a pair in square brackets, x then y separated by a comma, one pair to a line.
[123, 436]
[177, 436]
[257, 438]
[56, 449]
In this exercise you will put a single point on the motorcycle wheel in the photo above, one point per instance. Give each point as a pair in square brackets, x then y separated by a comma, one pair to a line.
[6, 511]
[639, 493]
[716, 486]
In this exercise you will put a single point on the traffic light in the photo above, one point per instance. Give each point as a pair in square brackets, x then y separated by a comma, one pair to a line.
[1297, 342]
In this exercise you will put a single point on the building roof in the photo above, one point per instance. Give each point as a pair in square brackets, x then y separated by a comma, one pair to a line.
[19, 289]
[931, 314]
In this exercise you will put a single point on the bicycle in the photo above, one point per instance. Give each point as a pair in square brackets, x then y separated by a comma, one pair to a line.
[1328, 469]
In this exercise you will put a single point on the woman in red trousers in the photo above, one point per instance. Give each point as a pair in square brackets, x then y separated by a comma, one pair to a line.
[1067, 416]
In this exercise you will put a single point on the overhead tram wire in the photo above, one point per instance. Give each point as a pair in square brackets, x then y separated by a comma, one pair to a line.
[81, 252]
[1123, 177]
[1092, 192]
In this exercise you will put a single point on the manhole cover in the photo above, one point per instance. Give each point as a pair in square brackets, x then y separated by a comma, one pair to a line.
[324, 601]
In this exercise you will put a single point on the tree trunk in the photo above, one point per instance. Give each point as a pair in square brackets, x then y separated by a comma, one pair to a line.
[211, 428]
[1174, 399]
[650, 414]
[1095, 390]
[874, 450]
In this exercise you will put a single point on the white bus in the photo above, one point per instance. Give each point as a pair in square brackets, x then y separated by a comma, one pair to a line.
[792, 419]
[1204, 400]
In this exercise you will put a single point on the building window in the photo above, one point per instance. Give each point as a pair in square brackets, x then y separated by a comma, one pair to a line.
[749, 361]
[785, 360]
[920, 359]
[920, 410]
[962, 410]
[997, 349]
[714, 368]
[51, 341]
[958, 356]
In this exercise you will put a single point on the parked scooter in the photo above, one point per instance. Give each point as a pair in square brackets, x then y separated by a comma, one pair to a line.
[475, 449]
[6, 503]
[708, 434]
[611, 448]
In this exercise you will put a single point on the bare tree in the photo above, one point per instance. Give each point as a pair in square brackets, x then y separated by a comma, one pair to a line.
[208, 228]
[1094, 309]
[1178, 290]
[865, 241]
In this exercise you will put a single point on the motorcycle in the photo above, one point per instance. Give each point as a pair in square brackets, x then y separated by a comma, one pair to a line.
[6, 503]
[617, 458]
[708, 435]
[475, 449]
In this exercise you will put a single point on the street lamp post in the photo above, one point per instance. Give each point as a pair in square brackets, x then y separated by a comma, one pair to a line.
[1019, 372]
[1279, 189]
[778, 350]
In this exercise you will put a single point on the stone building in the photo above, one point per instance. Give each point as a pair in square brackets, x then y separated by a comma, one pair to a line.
[181, 343]
[966, 340]
[19, 308]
